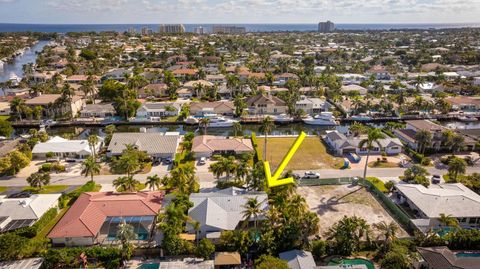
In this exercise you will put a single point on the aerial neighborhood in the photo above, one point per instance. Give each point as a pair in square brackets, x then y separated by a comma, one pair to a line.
[148, 149]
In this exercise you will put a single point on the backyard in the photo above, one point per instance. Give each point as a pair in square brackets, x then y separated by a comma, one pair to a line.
[332, 202]
[311, 155]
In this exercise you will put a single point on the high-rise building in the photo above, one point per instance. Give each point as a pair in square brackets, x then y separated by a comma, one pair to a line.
[171, 28]
[326, 27]
[146, 31]
[131, 30]
[228, 30]
[199, 30]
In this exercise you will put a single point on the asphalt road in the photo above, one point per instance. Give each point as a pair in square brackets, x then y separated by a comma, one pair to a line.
[208, 177]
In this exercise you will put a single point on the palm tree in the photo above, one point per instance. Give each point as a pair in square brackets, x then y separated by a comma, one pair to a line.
[389, 231]
[252, 208]
[92, 142]
[373, 137]
[423, 138]
[237, 128]
[90, 167]
[38, 180]
[216, 169]
[204, 122]
[456, 166]
[456, 143]
[228, 165]
[196, 226]
[242, 170]
[67, 94]
[266, 128]
[183, 177]
[17, 105]
[128, 184]
[448, 220]
[153, 182]
[125, 233]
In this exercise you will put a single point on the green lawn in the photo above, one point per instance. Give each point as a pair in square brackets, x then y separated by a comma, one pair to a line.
[47, 189]
[376, 164]
[2, 189]
[312, 153]
[4, 117]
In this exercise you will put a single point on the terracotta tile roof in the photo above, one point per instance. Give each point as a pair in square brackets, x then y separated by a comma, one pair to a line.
[210, 143]
[265, 99]
[86, 216]
[185, 72]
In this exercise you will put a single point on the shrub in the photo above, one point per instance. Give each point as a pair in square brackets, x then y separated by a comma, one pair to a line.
[45, 219]
[205, 249]
[227, 184]
[49, 154]
[270, 262]
[389, 185]
[58, 168]
[319, 249]
[46, 167]
[378, 184]
[426, 161]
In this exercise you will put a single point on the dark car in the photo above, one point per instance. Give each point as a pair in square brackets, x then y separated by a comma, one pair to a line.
[436, 179]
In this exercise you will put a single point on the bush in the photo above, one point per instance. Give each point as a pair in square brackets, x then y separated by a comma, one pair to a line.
[270, 262]
[108, 257]
[45, 219]
[46, 167]
[319, 249]
[426, 161]
[58, 168]
[205, 249]
[389, 185]
[378, 184]
[227, 184]
[49, 154]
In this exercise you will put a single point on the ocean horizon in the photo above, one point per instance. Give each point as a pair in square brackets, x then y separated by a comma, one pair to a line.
[64, 28]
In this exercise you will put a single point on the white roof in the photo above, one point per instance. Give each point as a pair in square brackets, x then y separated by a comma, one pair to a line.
[298, 259]
[61, 145]
[27, 208]
[33, 263]
[451, 199]
[222, 209]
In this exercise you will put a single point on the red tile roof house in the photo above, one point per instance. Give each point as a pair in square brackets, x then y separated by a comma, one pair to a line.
[209, 145]
[94, 218]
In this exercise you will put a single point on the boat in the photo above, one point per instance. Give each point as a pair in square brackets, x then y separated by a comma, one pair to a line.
[215, 121]
[282, 118]
[360, 117]
[467, 118]
[324, 119]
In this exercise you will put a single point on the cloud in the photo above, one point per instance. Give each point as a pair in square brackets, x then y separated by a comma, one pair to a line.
[88, 5]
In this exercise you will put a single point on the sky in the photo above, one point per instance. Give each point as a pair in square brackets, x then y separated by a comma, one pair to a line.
[238, 11]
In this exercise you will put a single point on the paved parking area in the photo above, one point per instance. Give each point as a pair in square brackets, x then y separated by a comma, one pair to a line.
[71, 169]
[391, 159]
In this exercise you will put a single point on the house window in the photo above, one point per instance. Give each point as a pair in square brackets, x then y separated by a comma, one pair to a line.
[394, 148]
[375, 149]
[363, 149]
[471, 221]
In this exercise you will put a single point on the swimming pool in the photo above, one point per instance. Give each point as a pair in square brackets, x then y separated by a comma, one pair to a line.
[468, 254]
[368, 263]
[149, 266]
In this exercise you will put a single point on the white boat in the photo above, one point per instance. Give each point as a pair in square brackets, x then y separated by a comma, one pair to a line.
[324, 119]
[282, 118]
[467, 118]
[221, 122]
[361, 117]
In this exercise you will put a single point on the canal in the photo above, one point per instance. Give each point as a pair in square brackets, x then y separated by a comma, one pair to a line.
[15, 68]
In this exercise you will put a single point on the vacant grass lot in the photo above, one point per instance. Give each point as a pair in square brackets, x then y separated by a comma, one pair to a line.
[2, 189]
[311, 154]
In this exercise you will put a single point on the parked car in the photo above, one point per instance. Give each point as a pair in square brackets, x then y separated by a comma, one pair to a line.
[311, 175]
[436, 179]
[296, 176]
[202, 161]
[167, 161]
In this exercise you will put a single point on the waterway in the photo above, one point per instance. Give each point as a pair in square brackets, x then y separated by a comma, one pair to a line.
[16, 67]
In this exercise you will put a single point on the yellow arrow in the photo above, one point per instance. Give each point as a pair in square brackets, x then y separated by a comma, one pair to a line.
[274, 181]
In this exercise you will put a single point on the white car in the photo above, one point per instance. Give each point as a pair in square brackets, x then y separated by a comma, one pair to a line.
[311, 175]
[202, 161]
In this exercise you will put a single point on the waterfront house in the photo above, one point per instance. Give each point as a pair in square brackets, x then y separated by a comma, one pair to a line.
[266, 104]
[442, 257]
[453, 199]
[64, 148]
[225, 108]
[222, 210]
[19, 212]
[379, 72]
[341, 144]
[156, 145]
[464, 103]
[155, 111]
[95, 216]
[117, 74]
[209, 145]
[312, 106]
[348, 79]
[105, 110]
[51, 106]
[282, 79]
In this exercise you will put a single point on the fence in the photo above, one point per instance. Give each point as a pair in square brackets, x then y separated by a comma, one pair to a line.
[392, 208]
[326, 181]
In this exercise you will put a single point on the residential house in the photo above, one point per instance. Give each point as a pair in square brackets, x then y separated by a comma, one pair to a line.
[209, 145]
[78, 79]
[452, 199]
[156, 145]
[281, 79]
[312, 105]
[379, 72]
[5, 109]
[216, 79]
[348, 79]
[464, 103]
[442, 257]
[48, 103]
[153, 90]
[221, 210]
[95, 216]
[185, 93]
[64, 148]
[102, 110]
[266, 104]
[155, 111]
[354, 88]
[476, 81]
[32, 263]
[340, 144]
[24, 211]
[117, 74]
[298, 259]
[184, 73]
[231, 260]
[187, 263]
[226, 108]
[407, 135]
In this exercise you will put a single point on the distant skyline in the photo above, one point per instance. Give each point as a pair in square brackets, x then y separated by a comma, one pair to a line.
[238, 11]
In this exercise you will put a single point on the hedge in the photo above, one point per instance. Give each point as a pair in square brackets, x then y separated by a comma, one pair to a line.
[70, 198]
[378, 184]
[108, 257]
[258, 153]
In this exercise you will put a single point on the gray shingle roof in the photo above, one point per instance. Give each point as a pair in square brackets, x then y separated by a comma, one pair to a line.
[298, 259]
[152, 143]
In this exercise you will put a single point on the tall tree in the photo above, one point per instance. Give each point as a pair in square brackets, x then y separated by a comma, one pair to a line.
[92, 143]
[424, 139]
[456, 166]
[252, 209]
[266, 127]
[204, 122]
[126, 184]
[90, 167]
[38, 180]
[153, 182]
[372, 139]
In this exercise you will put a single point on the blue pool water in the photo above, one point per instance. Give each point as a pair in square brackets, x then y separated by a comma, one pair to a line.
[468, 254]
[149, 266]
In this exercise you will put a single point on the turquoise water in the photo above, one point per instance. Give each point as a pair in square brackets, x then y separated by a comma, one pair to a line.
[368, 263]
[467, 254]
[149, 266]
